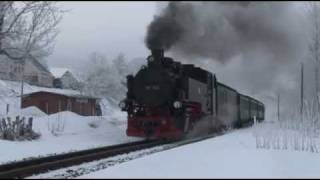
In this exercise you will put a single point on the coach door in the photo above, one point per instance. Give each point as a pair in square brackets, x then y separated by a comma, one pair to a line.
[210, 94]
[214, 96]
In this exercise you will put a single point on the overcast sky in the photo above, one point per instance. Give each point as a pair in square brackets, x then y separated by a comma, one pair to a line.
[120, 27]
[106, 27]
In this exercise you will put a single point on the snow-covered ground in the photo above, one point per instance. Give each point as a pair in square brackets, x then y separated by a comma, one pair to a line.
[233, 155]
[65, 132]
[60, 132]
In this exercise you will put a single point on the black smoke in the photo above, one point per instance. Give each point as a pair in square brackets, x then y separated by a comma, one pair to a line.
[221, 30]
[167, 28]
[267, 37]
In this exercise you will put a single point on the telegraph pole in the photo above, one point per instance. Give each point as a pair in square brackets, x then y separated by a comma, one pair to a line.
[278, 113]
[23, 62]
[301, 92]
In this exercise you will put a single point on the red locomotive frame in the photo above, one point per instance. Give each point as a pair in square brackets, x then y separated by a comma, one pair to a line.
[163, 122]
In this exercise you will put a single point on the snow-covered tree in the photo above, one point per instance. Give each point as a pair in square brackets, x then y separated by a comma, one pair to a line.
[106, 78]
[313, 12]
[121, 65]
[103, 77]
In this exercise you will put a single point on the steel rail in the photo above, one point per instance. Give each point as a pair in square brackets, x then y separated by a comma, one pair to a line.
[30, 167]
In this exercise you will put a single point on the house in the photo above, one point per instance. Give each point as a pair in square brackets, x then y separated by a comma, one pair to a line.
[65, 79]
[56, 101]
[34, 72]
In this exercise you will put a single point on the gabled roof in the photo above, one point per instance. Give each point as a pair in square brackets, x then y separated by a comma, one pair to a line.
[31, 59]
[58, 72]
[39, 65]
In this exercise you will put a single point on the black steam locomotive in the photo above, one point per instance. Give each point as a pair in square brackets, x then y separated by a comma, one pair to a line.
[167, 99]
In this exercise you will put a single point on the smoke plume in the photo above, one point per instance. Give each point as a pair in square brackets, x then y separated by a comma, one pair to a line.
[221, 30]
[267, 36]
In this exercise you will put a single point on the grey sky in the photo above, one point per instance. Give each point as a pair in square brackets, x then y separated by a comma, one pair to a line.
[114, 27]
[107, 27]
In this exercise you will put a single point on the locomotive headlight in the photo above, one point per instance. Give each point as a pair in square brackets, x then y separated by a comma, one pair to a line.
[151, 59]
[122, 104]
[177, 104]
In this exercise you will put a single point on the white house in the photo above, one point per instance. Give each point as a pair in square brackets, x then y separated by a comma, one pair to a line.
[65, 78]
[34, 73]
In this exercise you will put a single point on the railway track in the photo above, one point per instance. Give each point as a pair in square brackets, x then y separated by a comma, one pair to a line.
[30, 167]
[22, 169]
[79, 170]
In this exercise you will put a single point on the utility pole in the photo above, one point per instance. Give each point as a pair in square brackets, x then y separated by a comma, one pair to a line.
[278, 113]
[301, 93]
[22, 79]
[1, 24]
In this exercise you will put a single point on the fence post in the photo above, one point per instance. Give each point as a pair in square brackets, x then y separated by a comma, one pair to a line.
[7, 110]
[4, 124]
[30, 124]
[16, 127]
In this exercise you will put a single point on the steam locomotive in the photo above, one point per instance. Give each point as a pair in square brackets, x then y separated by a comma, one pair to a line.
[167, 99]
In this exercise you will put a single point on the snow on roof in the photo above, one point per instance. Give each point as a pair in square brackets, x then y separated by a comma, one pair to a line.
[78, 76]
[13, 88]
[37, 63]
[64, 92]
[58, 72]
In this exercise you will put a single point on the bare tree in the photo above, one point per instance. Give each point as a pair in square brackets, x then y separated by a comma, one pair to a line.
[28, 28]
[313, 9]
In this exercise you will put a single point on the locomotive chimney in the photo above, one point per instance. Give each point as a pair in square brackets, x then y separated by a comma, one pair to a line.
[157, 53]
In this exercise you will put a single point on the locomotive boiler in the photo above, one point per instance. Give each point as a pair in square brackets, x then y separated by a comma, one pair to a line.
[167, 99]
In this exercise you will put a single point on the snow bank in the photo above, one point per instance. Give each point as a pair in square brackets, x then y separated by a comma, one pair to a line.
[72, 132]
[63, 123]
[31, 111]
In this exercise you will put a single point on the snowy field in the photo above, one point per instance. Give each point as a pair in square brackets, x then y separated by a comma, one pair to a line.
[233, 155]
[61, 132]
[66, 132]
